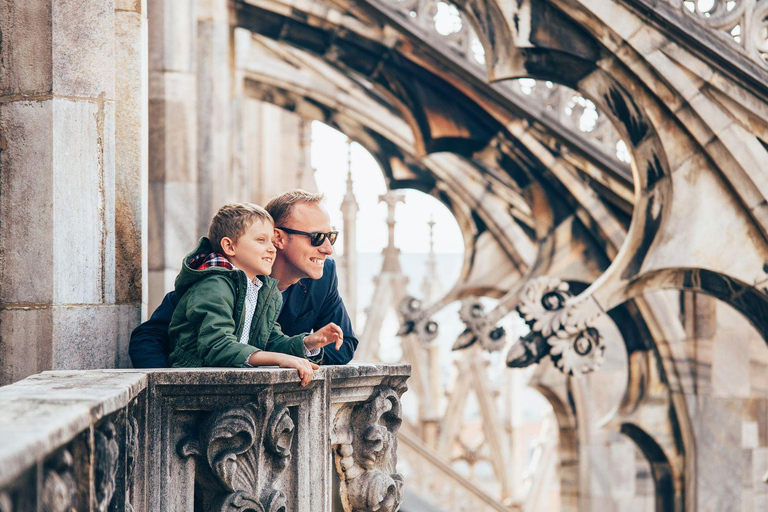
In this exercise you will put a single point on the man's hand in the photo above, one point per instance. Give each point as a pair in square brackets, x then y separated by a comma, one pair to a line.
[331, 333]
[304, 367]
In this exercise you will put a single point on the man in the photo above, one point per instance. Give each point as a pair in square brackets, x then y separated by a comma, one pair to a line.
[306, 277]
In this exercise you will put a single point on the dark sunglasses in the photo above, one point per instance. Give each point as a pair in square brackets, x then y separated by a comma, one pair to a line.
[316, 239]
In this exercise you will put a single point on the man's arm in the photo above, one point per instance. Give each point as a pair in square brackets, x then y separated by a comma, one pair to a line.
[333, 310]
[150, 345]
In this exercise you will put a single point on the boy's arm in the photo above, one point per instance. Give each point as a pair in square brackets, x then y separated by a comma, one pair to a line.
[293, 345]
[304, 367]
[150, 344]
[332, 310]
[211, 310]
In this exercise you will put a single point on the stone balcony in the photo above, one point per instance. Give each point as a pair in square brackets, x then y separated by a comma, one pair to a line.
[202, 440]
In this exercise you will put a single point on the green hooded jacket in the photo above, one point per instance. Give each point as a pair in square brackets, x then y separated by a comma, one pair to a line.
[208, 321]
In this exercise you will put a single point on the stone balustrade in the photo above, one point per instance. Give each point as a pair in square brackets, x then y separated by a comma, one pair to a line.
[202, 440]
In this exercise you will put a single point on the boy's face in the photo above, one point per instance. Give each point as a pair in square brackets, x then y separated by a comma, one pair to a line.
[253, 252]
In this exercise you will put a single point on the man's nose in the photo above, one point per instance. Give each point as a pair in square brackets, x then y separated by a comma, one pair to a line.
[326, 247]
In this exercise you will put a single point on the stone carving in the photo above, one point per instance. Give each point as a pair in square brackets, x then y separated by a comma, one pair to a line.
[58, 483]
[242, 451]
[743, 22]
[479, 327]
[6, 505]
[560, 327]
[132, 451]
[106, 453]
[416, 320]
[365, 450]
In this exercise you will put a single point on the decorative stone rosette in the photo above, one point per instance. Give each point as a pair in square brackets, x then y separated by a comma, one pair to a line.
[561, 327]
[365, 451]
[241, 453]
[415, 320]
[480, 328]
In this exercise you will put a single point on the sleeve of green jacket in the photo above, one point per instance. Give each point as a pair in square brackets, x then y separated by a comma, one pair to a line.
[210, 308]
[294, 345]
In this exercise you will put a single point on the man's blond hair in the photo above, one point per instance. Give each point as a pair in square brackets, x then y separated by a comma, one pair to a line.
[280, 206]
[232, 220]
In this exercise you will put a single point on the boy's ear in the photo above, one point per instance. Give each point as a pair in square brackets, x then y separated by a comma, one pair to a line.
[228, 246]
[279, 239]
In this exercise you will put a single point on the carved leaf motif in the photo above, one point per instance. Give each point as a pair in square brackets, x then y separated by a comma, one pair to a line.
[280, 436]
[106, 453]
[59, 483]
[560, 326]
[472, 313]
[367, 457]
[277, 502]
[415, 320]
[232, 442]
[240, 501]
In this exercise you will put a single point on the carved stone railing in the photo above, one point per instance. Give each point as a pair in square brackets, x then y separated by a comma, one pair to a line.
[203, 439]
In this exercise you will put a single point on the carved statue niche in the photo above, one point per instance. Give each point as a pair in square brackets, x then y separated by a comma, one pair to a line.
[365, 451]
[561, 327]
[59, 488]
[241, 453]
[106, 454]
[414, 319]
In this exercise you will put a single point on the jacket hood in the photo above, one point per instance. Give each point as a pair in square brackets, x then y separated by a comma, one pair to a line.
[203, 262]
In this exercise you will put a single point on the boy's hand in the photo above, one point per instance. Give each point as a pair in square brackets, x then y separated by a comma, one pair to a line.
[331, 333]
[304, 367]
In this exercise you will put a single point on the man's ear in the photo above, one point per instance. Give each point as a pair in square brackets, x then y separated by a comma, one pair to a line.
[279, 239]
[228, 246]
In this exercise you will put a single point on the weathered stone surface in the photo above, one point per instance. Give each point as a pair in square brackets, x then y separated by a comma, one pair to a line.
[46, 411]
[172, 35]
[131, 164]
[82, 174]
[25, 345]
[26, 52]
[83, 48]
[27, 204]
[85, 337]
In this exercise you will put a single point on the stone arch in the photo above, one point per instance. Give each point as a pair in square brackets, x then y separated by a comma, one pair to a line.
[670, 494]
[748, 300]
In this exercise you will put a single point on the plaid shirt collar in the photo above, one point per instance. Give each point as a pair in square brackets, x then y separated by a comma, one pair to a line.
[213, 259]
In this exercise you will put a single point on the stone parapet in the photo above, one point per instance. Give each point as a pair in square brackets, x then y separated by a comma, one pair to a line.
[202, 439]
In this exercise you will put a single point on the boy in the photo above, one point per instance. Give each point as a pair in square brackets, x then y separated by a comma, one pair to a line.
[228, 307]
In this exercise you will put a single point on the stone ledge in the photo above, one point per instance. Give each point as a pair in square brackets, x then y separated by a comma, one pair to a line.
[47, 410]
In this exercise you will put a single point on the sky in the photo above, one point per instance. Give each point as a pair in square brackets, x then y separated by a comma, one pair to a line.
[329, 158]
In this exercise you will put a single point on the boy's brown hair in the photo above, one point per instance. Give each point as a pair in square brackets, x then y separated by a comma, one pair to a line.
[232, 220]
[280, 206]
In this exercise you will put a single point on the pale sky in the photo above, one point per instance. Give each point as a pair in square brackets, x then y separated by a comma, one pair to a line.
[329, 158]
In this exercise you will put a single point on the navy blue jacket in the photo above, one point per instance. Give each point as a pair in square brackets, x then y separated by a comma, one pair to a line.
[307, 305]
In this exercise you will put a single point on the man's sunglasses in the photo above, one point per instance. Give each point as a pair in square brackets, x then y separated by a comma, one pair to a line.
[316, 239]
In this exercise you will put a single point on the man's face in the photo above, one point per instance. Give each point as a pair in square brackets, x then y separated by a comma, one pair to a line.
[296, 251]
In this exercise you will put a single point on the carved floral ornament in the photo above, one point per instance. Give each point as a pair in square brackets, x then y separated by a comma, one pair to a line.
[242, 451]
[480, 328]
[365, 450]
[561, 327]
[415, 320]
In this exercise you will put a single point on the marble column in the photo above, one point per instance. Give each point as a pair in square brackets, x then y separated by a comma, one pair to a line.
[173, 189]
[59, 294]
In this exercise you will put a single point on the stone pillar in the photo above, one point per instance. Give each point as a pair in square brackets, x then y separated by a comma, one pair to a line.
[131, 164]
[215, 178]
[57, 195]
[173, 193]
